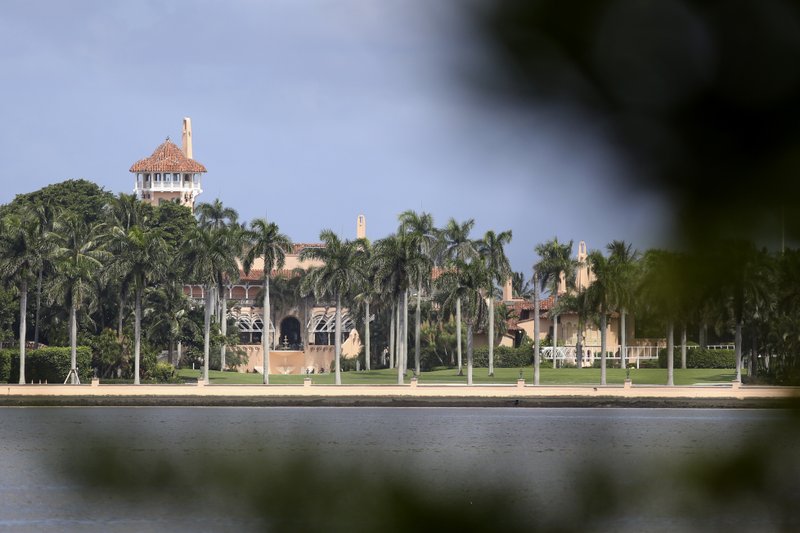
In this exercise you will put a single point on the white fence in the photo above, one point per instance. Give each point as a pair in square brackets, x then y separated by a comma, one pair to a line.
[568, 354]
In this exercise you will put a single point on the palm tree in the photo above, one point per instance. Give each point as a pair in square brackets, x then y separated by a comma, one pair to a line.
[743, 283]
[125, 211]
[625, 260]
[555, 265]
[215, 215]
[492, 251]
[207, 252]
[268, 243]
[420, 228]
[458, 247]
[520, 287]
[45, 213]
[466, 282]
[536, 328]
[338, 273]
[366, 294]
[397, 263]
[78, 255]
[169, 307]
[601, 295]
[659, 291]
[23, 247]
[141, 254]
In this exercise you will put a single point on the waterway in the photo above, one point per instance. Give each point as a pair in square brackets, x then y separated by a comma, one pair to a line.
[189, 469]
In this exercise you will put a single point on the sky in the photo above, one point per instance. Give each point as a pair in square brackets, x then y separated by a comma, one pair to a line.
[308, 112]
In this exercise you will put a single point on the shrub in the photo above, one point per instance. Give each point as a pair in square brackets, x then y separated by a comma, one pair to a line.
[162, 373]
[504, 356]
[5, 365]
[648, 363]
[700, 358]
[52, 364]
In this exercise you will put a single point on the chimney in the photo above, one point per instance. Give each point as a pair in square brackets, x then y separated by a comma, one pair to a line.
[187, 137]
[361, 227]
[508, 290]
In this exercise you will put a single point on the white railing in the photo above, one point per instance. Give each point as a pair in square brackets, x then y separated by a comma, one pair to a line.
[591, 353]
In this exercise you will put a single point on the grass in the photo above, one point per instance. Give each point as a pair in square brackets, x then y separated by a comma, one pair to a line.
[548, 376]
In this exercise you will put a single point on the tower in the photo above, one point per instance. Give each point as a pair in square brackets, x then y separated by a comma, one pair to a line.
[361, 227]
[169, 174]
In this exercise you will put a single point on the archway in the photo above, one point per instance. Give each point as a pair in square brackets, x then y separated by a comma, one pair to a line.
[290, 334]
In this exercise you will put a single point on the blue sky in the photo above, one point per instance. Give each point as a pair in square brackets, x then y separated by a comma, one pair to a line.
[309, 111]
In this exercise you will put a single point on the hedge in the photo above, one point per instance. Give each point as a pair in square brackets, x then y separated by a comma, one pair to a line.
[504, 357]
[699, 358]
[5, 366]
[49, 364]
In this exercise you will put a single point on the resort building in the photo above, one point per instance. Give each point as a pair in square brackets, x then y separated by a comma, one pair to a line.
[301, 330]
[568, 326]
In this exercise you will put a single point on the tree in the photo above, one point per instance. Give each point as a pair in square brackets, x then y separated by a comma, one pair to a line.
[215, 215]
[624, 259]
[466, 282]
[79, 253]
[744, 284]
[23, 247]
[207, 253]
[397, 263]
[492, 251]
[457, 247]
[601, 296]
[420, 228]
[141, 255]
[339, 271]
[554, 267]
[520, 287]
[659, 288]
[269, 244]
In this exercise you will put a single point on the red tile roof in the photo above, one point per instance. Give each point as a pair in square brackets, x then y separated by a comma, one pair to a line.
[526, 305]
[167, 158]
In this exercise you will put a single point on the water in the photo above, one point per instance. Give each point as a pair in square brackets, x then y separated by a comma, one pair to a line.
[530, 457]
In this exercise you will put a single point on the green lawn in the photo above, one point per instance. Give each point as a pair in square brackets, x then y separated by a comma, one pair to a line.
[549, 376]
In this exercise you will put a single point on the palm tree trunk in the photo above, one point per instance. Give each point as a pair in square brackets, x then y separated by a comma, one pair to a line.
[702, 335]
[400, 365]
[265, 347]
[338, 340]
[38, 309]
[405, 330]
[469, 353]
[458, 334]
[536, 330]
[170, 351]
[491, 335]
[398, 346]
[417, 329]
[738, 350]
[623, 351]
[683, 347]
[23, 312]
[579, 344]
[392, 327]
[120, 315]
[178, 354]
[603, 324]
[73, 344]
[555, 334]
[137, 335]
[224, 327]
[670, 355]
[366, 337]
[207, 334]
